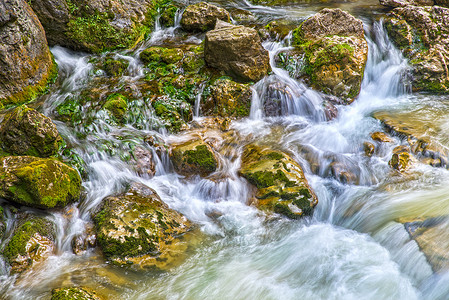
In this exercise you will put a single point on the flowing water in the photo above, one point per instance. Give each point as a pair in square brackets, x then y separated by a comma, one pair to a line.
[353, 247]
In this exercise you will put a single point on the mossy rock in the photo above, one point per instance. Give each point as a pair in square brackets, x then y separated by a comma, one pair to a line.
[73, 293]
[137, 228]
[32, 240]
[114, 66]
[116, 105]
[25, 131]
[2, 222]
[280, 182]
[158, 54]
[38, 182]
[194, 157]
[227, 99]
[173, 113]
[202, 16]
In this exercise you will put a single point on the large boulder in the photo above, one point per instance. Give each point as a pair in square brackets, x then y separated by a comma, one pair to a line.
[137, 228]
[38, 182]
[335, 52]
[32, 240]
[194, 157]
[227, 99]
[238, 51]
[202, 17]
[73, 293]
[402, 3]
[280, 182]
[96, 25]
[26, 64]
[25, 131]
[422, 34]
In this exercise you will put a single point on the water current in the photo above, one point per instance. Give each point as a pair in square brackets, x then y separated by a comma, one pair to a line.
[353, 247]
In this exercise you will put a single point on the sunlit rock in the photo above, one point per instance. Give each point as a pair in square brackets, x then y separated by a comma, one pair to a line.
[25, 131]
[32, 240]
[280, 182]
[238, 51]
[137, 228]
[74, 293]
[203, 17]
[402, 3]
[401, 158]
[38, 182]
[422, 34]
[335, 52]
[26, 64]
[381, 137]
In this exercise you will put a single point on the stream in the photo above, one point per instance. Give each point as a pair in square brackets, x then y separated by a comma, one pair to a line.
[353, 247]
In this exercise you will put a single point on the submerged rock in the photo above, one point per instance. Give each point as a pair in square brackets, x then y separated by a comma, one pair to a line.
[26, 64]
[138, 228]
[194, 157]
[25, 131]
[38, 182]
[335, 52]
[96, 25]
[32, 240]
[238, 51]
[227, 99]
[73, 293]
[203, 17]
[422, 34]
[280, 182]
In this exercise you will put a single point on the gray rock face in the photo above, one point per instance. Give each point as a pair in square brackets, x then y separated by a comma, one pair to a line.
[203, 17]
[422, 33]
[26, 65]
[95, 25]
[402, 3]
[238, 51]
[25, 131]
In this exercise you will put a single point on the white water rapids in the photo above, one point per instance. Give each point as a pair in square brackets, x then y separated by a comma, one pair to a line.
[352, 247]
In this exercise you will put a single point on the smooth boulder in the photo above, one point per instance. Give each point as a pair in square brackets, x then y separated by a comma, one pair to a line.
[25, 131]
[335, 52]
[137, 228]
[201, 17]
[238, 51]
[26, 64]
[280, 182]
[422, 34]
[38, 182]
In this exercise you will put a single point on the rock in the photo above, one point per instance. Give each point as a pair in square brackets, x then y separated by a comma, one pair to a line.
[38, 182]
[113, 66]
[278, 29]
[242, 15]
[368, 148]
[202, 17]
[343, 172]
[96, 25]
[173, 113]
[26, 64]
[335, 52]
[73, 293]
[238, 51]
[2, 222]
[401, 158]
[116, 105]
[194, 157]
[157, 54]
[402, 3]
[422, 34]
[138, 228]
[25, 131]
[227, 99]
[142, 158]
[444, 3]
[280, 182]
[381, 137]
[32, 240]
[84, 241]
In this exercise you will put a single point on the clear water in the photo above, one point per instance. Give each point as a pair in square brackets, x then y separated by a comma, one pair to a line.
[352, 248]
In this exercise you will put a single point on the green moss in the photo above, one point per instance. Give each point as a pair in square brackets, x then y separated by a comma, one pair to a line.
[160, 54]
[167, 17]
[76, 293]
[23, 234]
[115, 67]
[201, 157]
[117, 105]
[173, 113]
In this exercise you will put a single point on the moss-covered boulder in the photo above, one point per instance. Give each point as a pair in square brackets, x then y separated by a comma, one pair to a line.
[238, 51]
[73, 293]
[402, 3]
[227, 98]
[194, 157]
[161, 54]
[422, 34]
[280, 182]
[137, 228]
[335, 52]
[32, 240]
[202, 17]
[112, 65]
[26, 64]
[38, 182]
[96, 25]
[116, 105]
[25, 131]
